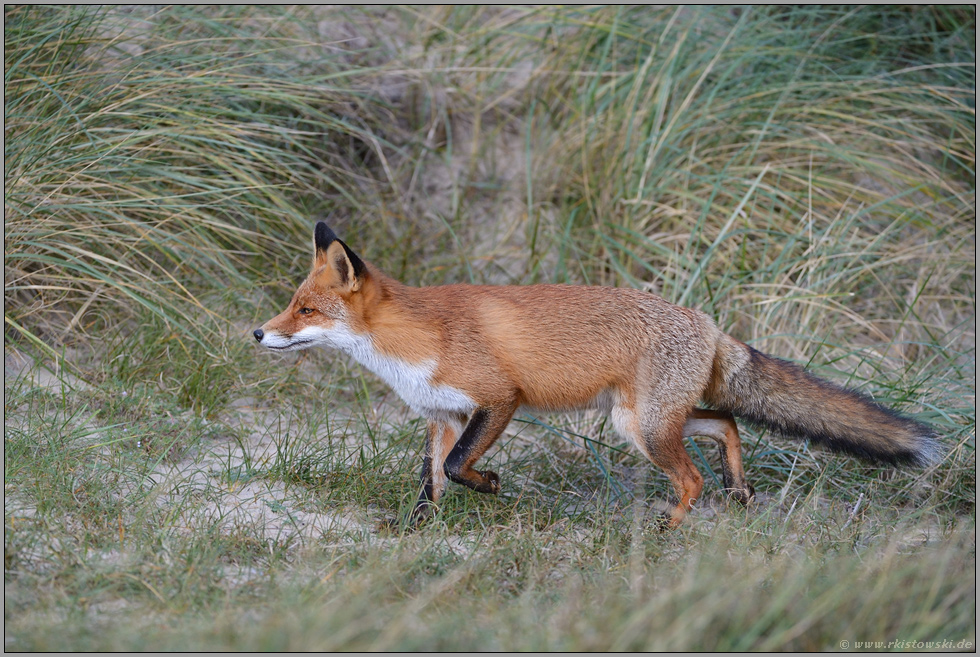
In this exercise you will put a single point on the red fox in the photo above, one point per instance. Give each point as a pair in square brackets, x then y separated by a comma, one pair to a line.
[466, 357]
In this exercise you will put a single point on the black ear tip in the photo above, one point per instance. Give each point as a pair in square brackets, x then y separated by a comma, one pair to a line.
[322, 235]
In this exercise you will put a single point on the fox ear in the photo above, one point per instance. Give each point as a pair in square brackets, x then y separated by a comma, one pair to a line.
[323, 237]
[341, 262]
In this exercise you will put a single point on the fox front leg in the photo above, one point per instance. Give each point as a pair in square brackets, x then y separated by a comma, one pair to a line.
[440, 436]
[484, 428]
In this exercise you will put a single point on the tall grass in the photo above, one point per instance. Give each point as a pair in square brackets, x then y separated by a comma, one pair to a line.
[151, 157]
[806, 175]
[688, 149]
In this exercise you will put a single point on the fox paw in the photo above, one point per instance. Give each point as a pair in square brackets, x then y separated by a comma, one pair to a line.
[482, 481]
[419, 515]
[492, 484]
[743, 496]
[422, 512]
[389, 525]
[664, 522]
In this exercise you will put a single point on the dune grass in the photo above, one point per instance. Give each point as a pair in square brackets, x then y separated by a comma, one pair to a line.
[804, 175]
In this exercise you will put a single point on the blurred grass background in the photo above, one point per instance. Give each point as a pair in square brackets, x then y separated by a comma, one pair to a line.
[804, 175]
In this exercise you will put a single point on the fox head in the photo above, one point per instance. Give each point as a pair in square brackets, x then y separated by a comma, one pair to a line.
[324, 307]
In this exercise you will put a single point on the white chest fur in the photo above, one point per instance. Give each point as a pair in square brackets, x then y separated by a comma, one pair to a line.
[411, 381]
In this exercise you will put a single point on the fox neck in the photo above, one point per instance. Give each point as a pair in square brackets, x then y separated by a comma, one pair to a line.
[385, 337]
[383, 310]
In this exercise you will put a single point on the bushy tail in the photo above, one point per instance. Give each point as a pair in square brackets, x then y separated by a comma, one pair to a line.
[784, 398]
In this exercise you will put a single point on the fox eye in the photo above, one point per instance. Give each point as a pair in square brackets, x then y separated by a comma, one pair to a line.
[305, 311]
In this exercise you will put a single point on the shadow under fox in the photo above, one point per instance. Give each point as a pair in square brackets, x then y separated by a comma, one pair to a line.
[467, 357]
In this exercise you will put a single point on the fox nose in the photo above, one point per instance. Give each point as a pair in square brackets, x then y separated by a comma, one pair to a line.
[258, 333]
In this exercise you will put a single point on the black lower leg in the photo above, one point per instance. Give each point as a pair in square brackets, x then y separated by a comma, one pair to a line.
[736, 487]
[424, 505]
[483, 429]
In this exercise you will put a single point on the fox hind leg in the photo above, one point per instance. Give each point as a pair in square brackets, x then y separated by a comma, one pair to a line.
[660, 437]
[721, 426]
